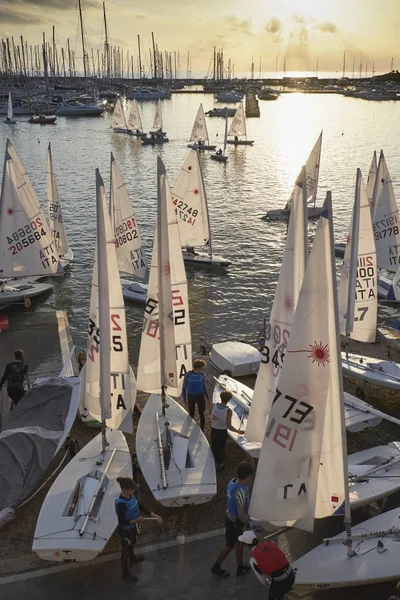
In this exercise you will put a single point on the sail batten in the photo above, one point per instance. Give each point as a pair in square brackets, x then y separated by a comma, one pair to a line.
[167, 304]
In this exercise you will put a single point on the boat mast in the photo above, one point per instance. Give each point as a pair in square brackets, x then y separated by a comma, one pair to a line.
[82, 37]
[205, 206]
[226, 130]
[104, 310]
[140, 58]
[347, 518]
[353, 265]
[161, 219]
[154, 57]
[106, 44]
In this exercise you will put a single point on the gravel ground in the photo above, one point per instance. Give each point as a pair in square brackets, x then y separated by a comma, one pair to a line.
[16, 536]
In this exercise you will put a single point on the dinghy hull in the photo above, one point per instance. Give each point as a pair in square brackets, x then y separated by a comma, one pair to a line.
[190, 470]
[133, 290]
[280, 214]
[15, 292]
[240, 142]
[201, 147]
[61, 532]
[383, 373]
[381, 483]
[202, 259]
[219, 157]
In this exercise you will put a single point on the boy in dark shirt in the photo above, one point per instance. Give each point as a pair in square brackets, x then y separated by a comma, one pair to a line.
[14, 374]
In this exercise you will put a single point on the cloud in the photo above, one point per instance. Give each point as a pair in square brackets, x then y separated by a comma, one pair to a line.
[237, 26]
[58, 4]
[326, 27]
[273, 25]
[13, 17]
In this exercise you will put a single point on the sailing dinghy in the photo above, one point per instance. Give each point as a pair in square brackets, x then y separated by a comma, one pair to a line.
[27, 249]
[220, 155]
[128, 243]
[358, 302]
[238, 129]
[118, 121]
[199, 136]
[78, 516]
[312, 170]
[134, 120]
[156, 135]
[57, 227]
[190, 203]
[9, 120]
[173, 453]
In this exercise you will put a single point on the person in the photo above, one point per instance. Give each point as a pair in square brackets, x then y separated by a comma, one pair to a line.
[236, 518]
[191, 250]
[261, 344]
[221, 421]
[14, 374]
[129, 511]
[81, 360]
[236, 138]
[194, 391]
[270, 566]
[396, 596]
[219, 152]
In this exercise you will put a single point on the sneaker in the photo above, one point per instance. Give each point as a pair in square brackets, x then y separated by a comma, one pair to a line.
[137, 558]
[219, 572]
[241, 570]
[130, 577]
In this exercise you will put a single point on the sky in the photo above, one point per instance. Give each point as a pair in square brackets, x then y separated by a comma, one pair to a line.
[300, 30]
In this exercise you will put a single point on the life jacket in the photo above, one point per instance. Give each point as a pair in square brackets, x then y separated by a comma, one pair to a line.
[131, 508]
[269, 560]
[218, 416]
[234, 485]
[16, 376]
[195, 383]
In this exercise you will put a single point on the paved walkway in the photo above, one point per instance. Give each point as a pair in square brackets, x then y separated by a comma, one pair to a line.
[181, 572]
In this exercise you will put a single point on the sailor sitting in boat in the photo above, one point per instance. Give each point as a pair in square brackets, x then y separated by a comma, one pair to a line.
[236, 138]
[191, 250]
[270, 566]
[219, 152]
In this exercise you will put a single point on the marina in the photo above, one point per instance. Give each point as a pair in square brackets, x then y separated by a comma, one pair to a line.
[218, 245]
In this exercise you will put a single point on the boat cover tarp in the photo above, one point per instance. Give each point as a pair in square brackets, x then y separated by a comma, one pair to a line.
[29, 441]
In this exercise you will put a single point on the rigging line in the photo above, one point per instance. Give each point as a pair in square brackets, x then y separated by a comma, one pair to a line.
[45, 482]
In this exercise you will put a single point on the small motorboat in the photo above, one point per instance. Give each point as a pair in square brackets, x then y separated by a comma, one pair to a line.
[221, 112]
[231, 96]
[43, 120]
[154, 138]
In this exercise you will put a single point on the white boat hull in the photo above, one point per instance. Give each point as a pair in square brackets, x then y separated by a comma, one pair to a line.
[383, 483]
[14, 291]
[384, 287]
[357, 416]
[57, 536]
[202, 259]
[236, 359]
[328, 566]
[383, 373]
[190, 477]
[280, 214]
[133, 290]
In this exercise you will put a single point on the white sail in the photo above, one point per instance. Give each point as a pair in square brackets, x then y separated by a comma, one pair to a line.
[300, 473]
[116, 407]
[238, 125]
[312, 172]
[128, 243]
[357, 294]
[26, 245]
[167, 285]
[190, 203]
[385, 219]
[119, 119]
[9, 107]
[56, 221]
[281, 318]
[371, 179]
[199, 131]
[134, 119]
[158, 122]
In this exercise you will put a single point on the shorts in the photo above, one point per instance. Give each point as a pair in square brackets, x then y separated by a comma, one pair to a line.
[232, 531]
[280, 588]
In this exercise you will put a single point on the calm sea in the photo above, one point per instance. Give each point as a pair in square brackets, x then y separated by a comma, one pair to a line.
[239, 193]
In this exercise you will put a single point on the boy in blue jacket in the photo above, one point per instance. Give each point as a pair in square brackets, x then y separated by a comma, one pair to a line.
[194, 391]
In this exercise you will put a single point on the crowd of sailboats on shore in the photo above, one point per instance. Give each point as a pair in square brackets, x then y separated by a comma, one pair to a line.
[290, 420]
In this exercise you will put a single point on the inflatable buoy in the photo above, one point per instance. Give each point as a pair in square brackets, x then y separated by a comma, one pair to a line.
[27, 303]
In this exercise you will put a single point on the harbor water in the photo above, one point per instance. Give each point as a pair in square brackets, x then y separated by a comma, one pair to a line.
[255, 179]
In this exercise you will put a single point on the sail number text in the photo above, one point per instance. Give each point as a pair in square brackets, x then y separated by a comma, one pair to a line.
[55, 213]
[295, 411]
[185, 212]
[126, 232]
[94, 332]
[151, 326]
[25, 236]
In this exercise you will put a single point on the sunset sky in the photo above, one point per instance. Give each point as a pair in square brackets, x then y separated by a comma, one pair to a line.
[301, 30]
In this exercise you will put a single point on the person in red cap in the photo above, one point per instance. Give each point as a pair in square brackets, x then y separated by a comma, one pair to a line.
[270, 566]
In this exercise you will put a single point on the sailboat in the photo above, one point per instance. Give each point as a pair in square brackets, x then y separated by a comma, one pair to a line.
[134, 120]
[128, 243]
[238, 129]
[9, 120]
[190, 203]
[302, 473]
[173, 453]
[78, 516]
[57, 227]
[118, 121]
[358, 301]
[27, 250]
[199, 135]
[220, 155]
[312, 169]
[156, 134]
